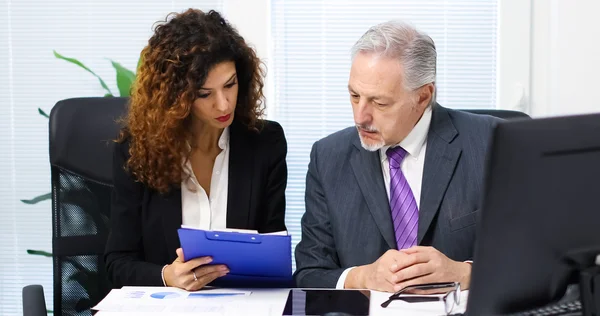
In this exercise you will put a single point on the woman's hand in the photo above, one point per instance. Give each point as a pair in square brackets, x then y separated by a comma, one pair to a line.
[193, 274]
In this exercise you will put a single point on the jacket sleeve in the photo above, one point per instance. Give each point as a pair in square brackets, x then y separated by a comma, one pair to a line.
[317, 263]
[276, 181]
[124, 255]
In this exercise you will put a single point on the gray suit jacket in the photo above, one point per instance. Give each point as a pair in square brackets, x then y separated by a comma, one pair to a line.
[347, 221]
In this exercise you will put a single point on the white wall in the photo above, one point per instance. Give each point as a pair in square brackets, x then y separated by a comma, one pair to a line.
[565, 57]
[514, 56]
[548, 56]
[252, 18]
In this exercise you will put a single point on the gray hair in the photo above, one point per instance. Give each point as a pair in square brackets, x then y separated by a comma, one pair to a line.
[399, 39]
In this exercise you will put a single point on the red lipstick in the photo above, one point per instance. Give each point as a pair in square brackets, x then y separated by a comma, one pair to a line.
[223, 118]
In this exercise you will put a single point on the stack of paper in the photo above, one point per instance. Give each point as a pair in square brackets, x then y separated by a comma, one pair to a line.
[173, 301]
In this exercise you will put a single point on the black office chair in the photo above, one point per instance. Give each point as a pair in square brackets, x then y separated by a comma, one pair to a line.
[503, 114]
[82, 131]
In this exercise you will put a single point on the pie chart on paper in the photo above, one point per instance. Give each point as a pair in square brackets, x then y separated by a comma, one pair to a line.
[165, 295]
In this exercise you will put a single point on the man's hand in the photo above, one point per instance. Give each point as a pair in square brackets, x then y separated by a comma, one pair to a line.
[395, 270]
[427, 265]
[378, 275]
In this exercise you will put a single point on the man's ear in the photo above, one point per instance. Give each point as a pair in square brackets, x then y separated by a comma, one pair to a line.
[425, 94]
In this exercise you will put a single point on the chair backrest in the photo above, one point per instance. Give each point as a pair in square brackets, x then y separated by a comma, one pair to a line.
[34, 303]
[82, 131]
[503, 114]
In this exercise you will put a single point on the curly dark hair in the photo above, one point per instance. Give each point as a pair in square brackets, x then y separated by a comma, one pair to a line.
[175, 64]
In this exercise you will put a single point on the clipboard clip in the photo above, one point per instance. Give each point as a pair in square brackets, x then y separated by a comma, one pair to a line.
[234, 237]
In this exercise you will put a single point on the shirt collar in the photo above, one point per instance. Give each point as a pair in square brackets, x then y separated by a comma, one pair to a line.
[414, 141]
[224, 139]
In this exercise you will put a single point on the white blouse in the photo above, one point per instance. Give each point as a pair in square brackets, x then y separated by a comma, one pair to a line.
[198, 210]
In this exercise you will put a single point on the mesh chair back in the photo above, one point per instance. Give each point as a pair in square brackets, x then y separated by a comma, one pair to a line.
[82, 131]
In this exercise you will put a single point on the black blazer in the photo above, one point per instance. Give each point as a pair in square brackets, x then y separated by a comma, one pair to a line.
[143, 224]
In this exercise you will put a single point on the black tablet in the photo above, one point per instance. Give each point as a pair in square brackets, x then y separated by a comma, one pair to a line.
[327, 302]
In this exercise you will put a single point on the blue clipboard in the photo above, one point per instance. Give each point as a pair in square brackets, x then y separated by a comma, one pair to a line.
[254, 260]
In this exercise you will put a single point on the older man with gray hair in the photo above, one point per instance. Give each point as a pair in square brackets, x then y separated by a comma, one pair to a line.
[394, 200]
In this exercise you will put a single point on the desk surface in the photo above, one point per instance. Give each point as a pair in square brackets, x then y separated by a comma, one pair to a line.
[264, 302]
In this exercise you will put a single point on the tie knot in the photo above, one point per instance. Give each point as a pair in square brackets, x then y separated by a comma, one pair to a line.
[395, 156]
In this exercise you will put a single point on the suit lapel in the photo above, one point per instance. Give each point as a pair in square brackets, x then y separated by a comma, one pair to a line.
[170, 207]
[441, 158]
[241, 161]
[367, 169]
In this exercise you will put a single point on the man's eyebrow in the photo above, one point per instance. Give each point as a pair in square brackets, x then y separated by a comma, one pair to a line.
[380, 97]
[371, 97]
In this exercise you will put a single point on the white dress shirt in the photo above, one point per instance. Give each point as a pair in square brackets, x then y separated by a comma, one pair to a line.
[415, 144]
[198, 210]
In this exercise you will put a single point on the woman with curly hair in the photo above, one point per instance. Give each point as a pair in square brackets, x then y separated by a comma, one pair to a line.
[193, 151]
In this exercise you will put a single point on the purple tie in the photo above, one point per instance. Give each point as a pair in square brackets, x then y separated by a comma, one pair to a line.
[404, 209]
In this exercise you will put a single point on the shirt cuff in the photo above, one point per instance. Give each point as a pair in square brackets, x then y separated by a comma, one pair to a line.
[342, 280]
[162, 275]
[469, 261]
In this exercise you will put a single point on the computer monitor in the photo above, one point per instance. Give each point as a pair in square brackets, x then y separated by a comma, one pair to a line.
[541, 202]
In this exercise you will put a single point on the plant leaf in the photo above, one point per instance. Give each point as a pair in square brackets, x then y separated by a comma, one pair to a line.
[78, 63]
[42, 113]
[38, 199]
[108, 95]
[39, 253]
[125, 78]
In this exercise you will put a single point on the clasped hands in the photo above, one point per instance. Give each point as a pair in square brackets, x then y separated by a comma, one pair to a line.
[397, 269]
